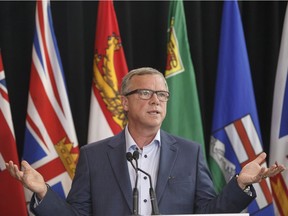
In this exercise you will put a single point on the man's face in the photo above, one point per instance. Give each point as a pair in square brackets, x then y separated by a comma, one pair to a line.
[145, 114]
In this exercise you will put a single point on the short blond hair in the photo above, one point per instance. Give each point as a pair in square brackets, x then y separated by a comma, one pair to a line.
[139, 72]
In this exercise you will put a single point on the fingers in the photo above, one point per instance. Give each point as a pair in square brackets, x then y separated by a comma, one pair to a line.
[14, 170]
[270, 172]
[274, 170]
[10, 167]
[260, 175]
[18, 173]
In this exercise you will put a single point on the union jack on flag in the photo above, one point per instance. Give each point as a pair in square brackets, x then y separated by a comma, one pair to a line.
[50, 144]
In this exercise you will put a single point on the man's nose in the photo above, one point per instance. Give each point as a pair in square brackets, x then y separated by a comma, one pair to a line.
[154, 99]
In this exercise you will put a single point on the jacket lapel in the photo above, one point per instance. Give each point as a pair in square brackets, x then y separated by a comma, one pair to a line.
[117, 157]
[168, 156]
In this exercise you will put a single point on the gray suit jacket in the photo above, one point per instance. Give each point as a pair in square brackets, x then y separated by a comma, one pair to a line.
[102, 185]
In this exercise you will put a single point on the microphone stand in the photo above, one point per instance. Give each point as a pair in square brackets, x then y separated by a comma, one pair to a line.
[155, 209]
[129, 157]
[154, 204]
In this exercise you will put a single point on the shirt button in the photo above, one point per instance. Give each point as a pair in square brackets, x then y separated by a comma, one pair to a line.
[145, 200]
[145, 156]
[145, 177]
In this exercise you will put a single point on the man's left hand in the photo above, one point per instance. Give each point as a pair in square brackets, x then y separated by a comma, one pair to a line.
[254, 173]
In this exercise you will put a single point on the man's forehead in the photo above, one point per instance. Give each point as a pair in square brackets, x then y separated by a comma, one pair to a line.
[141, 76]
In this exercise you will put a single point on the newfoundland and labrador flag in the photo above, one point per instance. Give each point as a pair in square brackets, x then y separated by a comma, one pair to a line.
[50, 144]
[109, 67]
[279, 126]
[236, 138]
[11, 190]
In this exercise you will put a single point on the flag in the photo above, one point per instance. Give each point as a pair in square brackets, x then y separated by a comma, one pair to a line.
[183, 116]
[236, 138]
[279, 126]
[50, 143]
[109, 67]
[11, 190]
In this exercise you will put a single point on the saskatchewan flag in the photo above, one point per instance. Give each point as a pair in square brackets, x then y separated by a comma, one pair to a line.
[183, 113]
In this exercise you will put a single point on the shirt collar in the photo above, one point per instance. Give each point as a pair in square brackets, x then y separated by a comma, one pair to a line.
[131, 144]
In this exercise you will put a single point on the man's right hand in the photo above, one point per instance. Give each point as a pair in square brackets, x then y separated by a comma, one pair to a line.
[29, 177]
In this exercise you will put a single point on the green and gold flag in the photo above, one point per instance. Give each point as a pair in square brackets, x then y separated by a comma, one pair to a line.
[183, 113]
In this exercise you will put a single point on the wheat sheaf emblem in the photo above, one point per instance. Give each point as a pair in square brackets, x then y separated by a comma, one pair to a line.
[107, 83]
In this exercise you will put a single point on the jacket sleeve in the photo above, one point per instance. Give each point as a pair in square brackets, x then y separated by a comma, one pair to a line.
[232, 199]
[79, 198]
[51, 204]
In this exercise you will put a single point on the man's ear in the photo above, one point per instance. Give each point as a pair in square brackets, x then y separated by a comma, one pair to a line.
[124, 101]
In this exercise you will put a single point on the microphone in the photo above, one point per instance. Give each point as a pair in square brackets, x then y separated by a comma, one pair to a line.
[154, 204]
[129, 157]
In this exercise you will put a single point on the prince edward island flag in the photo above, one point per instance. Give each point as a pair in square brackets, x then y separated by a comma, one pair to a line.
[236, 138]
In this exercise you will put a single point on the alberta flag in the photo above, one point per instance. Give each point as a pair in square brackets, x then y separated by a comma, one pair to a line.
[109, 67]
[11, 190]
[279, 127]
[236, 138]
[183, 116]
[50, 144]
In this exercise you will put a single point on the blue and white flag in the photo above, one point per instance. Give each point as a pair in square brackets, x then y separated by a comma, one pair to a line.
[236, 138]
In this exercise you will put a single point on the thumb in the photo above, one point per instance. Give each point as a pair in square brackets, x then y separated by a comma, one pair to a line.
[261, 158]
[25, 165]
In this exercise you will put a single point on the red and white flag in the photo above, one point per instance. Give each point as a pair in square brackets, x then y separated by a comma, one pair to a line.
[109, 66]
[279, 127]
[50, 144]
[11, 191]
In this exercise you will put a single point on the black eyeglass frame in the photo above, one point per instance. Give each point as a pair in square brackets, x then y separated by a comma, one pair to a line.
[139, 91]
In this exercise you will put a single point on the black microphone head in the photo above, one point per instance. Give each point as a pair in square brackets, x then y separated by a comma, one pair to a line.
[129, 156]
[136, 154]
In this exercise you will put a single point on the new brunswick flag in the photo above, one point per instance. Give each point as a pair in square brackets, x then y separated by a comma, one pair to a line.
[183, 116]
[236, 138]
[106, 113]
[50, 144]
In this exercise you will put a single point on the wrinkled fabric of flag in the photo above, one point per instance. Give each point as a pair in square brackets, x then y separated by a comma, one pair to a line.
[236, 138]
[50, 144]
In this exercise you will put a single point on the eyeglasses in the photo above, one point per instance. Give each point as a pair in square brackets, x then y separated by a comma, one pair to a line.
[147, 94]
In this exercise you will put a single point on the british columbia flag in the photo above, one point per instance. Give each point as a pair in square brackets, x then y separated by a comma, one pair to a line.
[50, 145]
